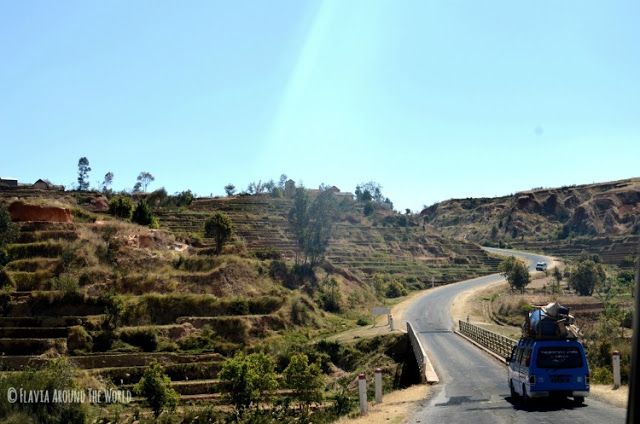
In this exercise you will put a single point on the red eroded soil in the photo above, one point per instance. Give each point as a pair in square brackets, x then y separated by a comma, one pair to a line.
[21, 212]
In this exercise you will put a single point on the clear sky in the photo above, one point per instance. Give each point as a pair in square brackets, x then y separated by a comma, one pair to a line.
[433, 99]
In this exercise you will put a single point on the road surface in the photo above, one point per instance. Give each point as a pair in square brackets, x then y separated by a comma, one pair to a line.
[473, 385]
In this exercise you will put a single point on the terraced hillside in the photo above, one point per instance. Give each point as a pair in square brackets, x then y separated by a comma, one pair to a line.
[365, 246]
[601, 218]
[113, 296]
[56, 301]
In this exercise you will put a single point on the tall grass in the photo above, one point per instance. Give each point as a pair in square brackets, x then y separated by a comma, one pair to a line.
[46, 249]
[164, 309]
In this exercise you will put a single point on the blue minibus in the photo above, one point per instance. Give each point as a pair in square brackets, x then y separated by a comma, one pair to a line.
[543, 368]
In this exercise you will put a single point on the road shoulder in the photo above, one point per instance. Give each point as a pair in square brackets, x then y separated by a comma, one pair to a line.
[395, 406]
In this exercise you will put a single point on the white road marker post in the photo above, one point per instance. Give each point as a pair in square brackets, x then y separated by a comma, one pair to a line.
[362, 390]
[378, 383]
[615, 358]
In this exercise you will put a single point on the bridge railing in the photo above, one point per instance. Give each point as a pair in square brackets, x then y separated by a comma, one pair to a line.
[495, 342]
[418, 351]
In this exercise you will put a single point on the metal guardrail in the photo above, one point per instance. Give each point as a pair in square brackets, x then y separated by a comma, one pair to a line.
[495, 342]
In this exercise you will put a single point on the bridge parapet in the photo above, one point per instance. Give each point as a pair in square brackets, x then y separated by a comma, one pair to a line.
[427, 373]
[496, 343]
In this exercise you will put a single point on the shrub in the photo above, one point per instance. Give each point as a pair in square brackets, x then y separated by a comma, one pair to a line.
[144, 338]
[57, 374]
[5, 299]
[198, 342]
[232, 328]
[103, 340]
[219, 227]
[182, 199]
[362, 322]
[330, 296]
[5, 279]
[343, 401]
[306, 380]
[114, 310]
[278, 270]
[601, 375]
[4, 256]
[142, 214]
[27, 281]
[157, 197]
[121, 206]
[585, 276]
[8, 230]
[516, 273]
[268, 253]
[395, 289]
[66, 283]
[368, 209]
[248, 379]
[196, 263]
[239, 306]
[302, 312]
[79, 340]
[155, 386]
[81, 215]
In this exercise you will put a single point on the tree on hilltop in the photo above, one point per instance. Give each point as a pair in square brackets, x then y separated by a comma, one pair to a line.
[83, 174]
[312, 223]
[299, 218]
[106, 183]
[370, 193]
[144, 179]
[282, 181]
[230, 189]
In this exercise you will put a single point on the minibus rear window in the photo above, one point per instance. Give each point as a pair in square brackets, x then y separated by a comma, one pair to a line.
[559, 357]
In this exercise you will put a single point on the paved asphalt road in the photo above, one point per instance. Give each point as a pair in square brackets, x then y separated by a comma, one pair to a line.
[473, 385]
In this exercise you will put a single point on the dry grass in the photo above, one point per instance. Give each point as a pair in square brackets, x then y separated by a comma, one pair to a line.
[395, 407]
[606, 393]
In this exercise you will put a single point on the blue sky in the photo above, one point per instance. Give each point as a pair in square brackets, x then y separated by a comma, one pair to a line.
[433, 100]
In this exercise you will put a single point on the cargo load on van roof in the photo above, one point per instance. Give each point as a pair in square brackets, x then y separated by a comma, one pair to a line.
[550, 322]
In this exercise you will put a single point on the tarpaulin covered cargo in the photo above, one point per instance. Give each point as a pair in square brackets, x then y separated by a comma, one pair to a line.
[550, 322]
